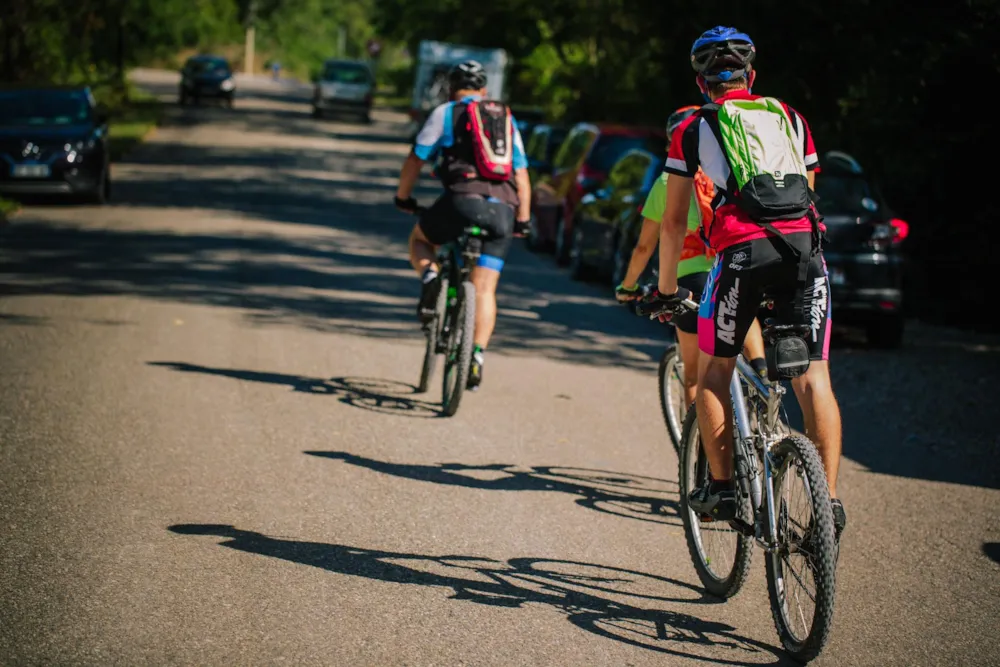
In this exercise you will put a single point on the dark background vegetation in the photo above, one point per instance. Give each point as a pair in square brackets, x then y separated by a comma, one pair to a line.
[903, 86]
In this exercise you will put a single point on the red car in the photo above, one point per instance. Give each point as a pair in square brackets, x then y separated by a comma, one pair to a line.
[580, 166]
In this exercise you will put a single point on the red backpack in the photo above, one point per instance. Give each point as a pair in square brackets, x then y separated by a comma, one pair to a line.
[491, 128]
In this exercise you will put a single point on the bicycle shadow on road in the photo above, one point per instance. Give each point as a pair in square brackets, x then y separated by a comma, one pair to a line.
[607, 601]
[384, 396]
[621, 494]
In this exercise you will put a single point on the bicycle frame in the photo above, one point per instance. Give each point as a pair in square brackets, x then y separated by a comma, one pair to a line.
[747, 472]
[457, 259]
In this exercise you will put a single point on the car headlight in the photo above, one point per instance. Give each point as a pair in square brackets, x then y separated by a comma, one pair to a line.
[228, 85]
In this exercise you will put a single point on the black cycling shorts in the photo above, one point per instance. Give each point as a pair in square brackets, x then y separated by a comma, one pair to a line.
[688, 320]
[448, 217]
[739, 279]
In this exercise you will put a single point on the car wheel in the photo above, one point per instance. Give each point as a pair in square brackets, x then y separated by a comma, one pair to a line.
[99, 195]
[562, 243]
[578, 270]
[886, 332]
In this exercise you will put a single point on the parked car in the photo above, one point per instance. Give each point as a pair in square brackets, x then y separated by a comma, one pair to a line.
[527, 119]
[207, 77]
[540, 147]
[579, 167]
[864, 250]
[608, 220]
[344, 86]
[53, 141]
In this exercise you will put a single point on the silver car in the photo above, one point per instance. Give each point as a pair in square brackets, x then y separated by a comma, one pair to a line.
[344, 86]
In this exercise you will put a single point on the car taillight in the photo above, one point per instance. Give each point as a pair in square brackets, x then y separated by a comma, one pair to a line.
[901, 229]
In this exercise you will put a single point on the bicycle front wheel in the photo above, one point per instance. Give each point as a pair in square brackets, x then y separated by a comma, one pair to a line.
[801, 571]
[672, 400]
[721, 554]
[432, 331]
[459, 354]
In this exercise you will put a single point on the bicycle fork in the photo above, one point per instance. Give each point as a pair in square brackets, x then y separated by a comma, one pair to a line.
[749, 476]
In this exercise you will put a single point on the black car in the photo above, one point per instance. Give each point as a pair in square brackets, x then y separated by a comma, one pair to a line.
[540, 146]
[863, 250]
[608, 220]
[207, 77]
[53, 141]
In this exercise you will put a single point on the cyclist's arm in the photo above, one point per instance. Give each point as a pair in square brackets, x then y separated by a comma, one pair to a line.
[408, 176]
[649, 235]
[523, 185]
[673, 229]
[811, 175]
[425, 148]
[521, 180]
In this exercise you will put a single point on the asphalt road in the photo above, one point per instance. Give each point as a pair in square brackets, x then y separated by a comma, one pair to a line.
[211, 453]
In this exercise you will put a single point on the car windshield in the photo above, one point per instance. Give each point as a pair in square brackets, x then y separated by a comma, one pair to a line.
[43, 108]
[209, 66]
[608, 149]
[842, 194]
[345, 73]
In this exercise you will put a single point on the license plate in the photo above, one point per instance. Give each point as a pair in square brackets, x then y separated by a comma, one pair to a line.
[30, 171]
[837, 277]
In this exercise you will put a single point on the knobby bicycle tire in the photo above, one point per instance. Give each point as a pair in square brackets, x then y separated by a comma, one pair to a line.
[459, 354]
[720, 586]
[823, 547]
[670, 363]
[433, 333]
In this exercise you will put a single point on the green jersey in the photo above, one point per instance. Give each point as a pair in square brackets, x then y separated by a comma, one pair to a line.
[656, 203]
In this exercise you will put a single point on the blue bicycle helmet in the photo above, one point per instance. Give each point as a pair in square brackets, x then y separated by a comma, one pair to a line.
[722, 54]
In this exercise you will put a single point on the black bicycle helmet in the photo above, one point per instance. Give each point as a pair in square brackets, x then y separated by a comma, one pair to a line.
[722, 54]
[467, 75]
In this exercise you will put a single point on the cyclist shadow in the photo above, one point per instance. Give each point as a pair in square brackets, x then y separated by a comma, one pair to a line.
[384, 396]
[625, 495]
[608, 601]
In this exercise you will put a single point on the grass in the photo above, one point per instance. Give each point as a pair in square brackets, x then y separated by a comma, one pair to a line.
[7, 208]
[131, 121]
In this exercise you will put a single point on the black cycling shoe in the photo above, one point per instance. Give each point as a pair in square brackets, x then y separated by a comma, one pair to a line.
[715, 500]
[428, 297]
[839, 516]
[475, 371]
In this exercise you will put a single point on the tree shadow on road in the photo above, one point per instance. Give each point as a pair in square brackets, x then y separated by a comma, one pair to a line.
[619, 604]
[621, 494]
[384, 396]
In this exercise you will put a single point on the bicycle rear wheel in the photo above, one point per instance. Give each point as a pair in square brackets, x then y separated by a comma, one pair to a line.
[672, 402]
[806, 553]
[721, 555]
[432, 331]
[458, 358]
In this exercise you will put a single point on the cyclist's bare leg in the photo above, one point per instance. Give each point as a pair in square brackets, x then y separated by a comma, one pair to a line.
[715, 408]
[688, 345]
[753, 344]
[821, 415]
[423, 253]
[485, 281]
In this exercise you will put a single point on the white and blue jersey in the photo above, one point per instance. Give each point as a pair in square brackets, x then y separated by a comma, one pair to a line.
[439, 132]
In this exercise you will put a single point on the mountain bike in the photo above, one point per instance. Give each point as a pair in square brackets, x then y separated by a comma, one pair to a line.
[769, 462]
[450, 331]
